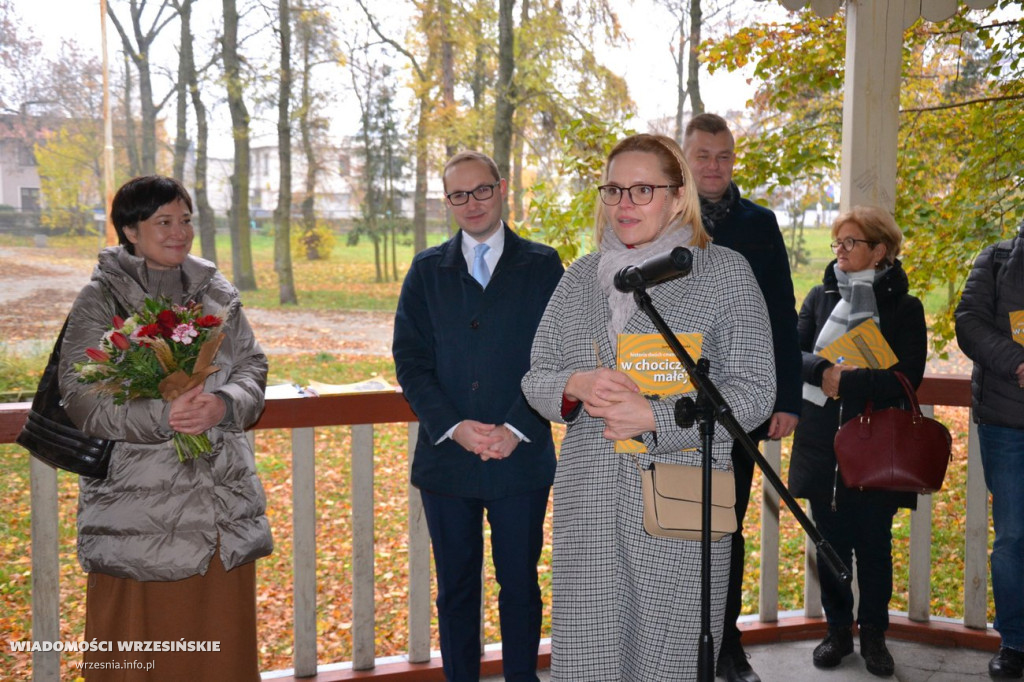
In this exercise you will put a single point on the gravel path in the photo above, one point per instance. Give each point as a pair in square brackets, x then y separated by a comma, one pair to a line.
[37, 288]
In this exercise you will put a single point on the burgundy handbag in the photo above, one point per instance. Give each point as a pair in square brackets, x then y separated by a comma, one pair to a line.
[894, 449]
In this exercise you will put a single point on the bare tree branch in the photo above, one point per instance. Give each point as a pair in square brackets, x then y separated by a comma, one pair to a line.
[965, 103]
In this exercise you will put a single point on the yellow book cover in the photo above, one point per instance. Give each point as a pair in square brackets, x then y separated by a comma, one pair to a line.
[652, 365]
[1017, 326]
[863, 346]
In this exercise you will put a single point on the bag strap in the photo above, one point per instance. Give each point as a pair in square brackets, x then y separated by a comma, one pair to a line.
[910, 392]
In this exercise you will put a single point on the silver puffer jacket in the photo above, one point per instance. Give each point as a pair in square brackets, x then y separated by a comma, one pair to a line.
[153, 517]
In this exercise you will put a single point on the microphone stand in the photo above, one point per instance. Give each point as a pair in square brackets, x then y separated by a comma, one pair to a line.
[709, 407]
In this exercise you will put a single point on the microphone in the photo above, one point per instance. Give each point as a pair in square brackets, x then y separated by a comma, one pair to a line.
[675, 263]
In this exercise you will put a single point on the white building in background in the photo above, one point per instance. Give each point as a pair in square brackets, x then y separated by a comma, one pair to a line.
[19, 175]
[339, 192]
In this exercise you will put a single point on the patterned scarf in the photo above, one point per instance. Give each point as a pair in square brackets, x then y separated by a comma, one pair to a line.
[714, 212]
[856, 304]
[615, 255]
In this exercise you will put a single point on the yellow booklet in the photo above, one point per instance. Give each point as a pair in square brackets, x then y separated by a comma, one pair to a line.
[652, 365]
[1017, 326]
[863, 346]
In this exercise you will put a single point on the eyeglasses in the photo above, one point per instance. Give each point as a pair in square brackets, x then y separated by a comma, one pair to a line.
[641, 195]
[850, 243]
[481, 193]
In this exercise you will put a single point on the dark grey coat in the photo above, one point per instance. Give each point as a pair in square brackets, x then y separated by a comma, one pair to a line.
[983, 332]
[153, 517]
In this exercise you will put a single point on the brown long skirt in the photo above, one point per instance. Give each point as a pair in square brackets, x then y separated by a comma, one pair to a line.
[219, 607]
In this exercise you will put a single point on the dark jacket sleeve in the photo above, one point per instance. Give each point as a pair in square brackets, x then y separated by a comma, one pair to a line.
[977, 331]
[812, 366]
[520, 415]
[781, 303]
[415, 354]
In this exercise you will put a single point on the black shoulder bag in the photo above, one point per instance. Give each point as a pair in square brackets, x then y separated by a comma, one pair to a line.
[51, 436]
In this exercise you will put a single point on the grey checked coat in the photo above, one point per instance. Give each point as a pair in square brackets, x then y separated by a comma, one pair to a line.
[626, 606]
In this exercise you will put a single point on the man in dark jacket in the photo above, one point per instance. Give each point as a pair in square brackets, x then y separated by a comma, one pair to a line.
[990, 330]
[463, 329]
[753, 231]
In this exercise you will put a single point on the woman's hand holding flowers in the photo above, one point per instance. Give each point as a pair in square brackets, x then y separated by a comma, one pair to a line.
[195, 412]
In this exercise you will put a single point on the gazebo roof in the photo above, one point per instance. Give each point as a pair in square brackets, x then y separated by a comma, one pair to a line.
[931, 10]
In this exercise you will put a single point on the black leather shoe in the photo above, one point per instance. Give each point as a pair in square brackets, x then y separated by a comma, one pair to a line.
[734, 666]
[837, 644]
[1008, 664]
[876, 654]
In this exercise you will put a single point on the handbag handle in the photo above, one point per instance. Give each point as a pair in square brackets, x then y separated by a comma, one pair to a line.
[908, 390]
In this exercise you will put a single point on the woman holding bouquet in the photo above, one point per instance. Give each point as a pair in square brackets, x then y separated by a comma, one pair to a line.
[169, 545]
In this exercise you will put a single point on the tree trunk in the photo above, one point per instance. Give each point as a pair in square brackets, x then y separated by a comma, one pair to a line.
[131, 144]
[186, 65]
[241, 243]
[306, 133]
[505, 106]
[419, 202]
[693, 64]
[283, 212]
[207, 218]
[681, 62]
[139, 54]
[444, 12]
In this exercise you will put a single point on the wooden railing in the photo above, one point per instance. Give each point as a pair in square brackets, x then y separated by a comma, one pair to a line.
[362, 411]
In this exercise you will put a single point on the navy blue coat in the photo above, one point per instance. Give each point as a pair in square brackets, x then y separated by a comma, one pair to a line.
[460, 352]
[753, 231]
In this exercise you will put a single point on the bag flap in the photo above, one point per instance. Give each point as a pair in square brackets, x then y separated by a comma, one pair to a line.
[684, 482]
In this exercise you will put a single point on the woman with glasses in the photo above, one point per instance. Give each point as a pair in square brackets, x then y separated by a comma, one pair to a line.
[626, 605]
[865, 281]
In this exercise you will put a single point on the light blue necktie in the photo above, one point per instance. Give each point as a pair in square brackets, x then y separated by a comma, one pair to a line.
[481, 272]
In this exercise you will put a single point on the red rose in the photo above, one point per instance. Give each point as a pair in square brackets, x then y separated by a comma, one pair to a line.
[208, 321]
[118, 322]
[120, 341]
[167, 321]
[97, 355]
[149, 331]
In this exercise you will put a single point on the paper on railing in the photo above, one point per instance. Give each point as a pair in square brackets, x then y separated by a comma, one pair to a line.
[366, 386]
[279, 391]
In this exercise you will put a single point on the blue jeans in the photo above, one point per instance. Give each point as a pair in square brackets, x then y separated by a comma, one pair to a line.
[1002, 457]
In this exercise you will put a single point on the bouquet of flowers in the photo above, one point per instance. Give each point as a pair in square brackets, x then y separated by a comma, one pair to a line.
[159, 352]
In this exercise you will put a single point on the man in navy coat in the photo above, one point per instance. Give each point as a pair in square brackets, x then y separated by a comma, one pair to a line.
[463, 330]
[753, 231]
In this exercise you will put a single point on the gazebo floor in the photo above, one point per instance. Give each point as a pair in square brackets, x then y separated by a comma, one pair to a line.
[937, 651]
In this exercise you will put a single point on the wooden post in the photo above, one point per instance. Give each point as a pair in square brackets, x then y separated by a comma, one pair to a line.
[871, 103]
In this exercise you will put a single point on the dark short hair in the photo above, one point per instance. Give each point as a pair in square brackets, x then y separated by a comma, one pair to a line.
[470, 155]
[708, 123]
[139, 198]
